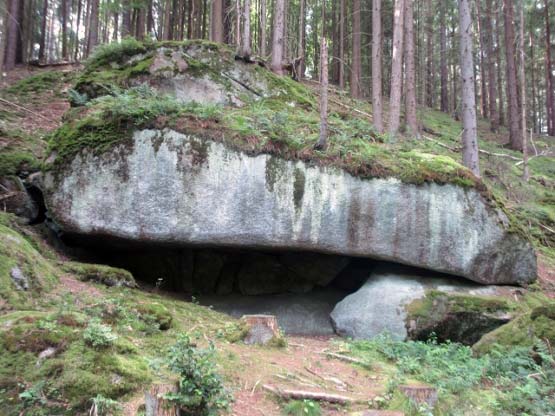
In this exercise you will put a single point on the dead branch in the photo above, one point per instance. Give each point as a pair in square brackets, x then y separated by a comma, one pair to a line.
[346, 358]
[308, 395]
[484, 152]
[26, 109]
[339, 383]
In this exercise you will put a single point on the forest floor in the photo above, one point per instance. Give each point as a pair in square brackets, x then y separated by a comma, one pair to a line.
[33, 102]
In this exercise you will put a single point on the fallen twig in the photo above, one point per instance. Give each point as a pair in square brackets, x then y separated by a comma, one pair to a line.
[308, 395]
[346, 358]
[484, 152]
[26, 109]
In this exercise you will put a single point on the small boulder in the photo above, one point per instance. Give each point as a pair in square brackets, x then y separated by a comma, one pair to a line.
[106, 275]
[20, 280]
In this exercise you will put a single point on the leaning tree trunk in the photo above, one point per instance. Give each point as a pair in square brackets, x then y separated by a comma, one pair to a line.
[410, 99]
[377, 104]
[396, 69]
[356, 63]
[277, 37]
[469, 137]
[515, 135]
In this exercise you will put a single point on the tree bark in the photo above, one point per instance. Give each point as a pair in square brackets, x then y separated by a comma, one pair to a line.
[444, 102]
[64, 30]
[526, 173]
[550, 99]
[356, 60]
[93, 27]
[341, 74]
[515, 135]
[263, 40]
[42, 39]
[481, 45]
[76, 51]
[499, 37]
[469, 138]
[126, 19]
[377, 105]
[217, 21]
[277, 37]
[429, 54]
[410, 98]
[245, 50]
[490, 63]
[396, 68]
[12, 38]
[323, 140]
[299, 70]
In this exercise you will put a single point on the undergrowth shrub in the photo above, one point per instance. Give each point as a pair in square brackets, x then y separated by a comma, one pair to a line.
[302, 408]
[200, 388]
[98, 335]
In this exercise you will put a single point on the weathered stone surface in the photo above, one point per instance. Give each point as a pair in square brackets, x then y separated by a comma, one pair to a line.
[380, 304]
[15, 199]
[19, 279]
[198, 192]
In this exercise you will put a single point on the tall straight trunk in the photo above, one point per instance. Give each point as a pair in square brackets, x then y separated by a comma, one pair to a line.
[498, 58]
[167, 20]
[430, 79]
[238, 23]
[341, 74]
[79, 9]
[469, 137]
[323, 140]
[490, 63]
[550, 100]
[263, 36]
[14, 20]
[526, 173]
[356, 59]
[149, 18]
[64, 29]
[93, 27]
[396, 68]
[533, 83]
[410, 68]
[515, 135]
[42, 39]
[245, 50]
[377, 104]
[126, 19]
[217, 21]
[444, 102]
[481, 45]
[141, 23]
[301, 40]
[277, 37]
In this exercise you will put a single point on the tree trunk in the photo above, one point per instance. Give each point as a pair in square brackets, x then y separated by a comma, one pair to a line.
[238, 24]
[126, 19]
[550, 99]
[79, 9]
[12, 34]
[277, 37]
[263, 40]
[498, 58]
[396, 68]
[356, 63]
[429, 54]
[469, 137]
[299, 70]
[481, 45]
[533, 82]
[526, 173]
[323, 140]
[410, 98]
[245, 50]
[377, 105]
[42, 39]
[141, 23]
[217, 21]
[93, 27]
[444, 102]
[490, 63]
[64, 30]
[341, 74]
[515, 135]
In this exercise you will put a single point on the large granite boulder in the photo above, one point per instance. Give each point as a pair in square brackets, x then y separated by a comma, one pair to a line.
[168, 188]
[394, 300]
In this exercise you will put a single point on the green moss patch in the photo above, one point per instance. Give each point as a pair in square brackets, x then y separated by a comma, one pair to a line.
[109, 276]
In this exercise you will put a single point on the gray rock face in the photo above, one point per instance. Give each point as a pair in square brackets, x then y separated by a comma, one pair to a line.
[171, 188]
[380, 304]
[20, 281]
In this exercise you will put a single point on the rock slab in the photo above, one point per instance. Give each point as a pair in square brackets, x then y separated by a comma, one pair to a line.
[200, 192]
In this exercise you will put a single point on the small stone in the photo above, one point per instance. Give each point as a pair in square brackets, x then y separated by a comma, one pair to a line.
[20, 280]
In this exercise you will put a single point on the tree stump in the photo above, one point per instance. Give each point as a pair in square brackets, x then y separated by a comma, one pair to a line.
[420, 394]
[261, 329]
[155, 405]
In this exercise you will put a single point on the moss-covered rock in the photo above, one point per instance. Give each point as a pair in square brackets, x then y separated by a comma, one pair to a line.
[524, 331]
[455, 317]
[109, 276]
[158, 312]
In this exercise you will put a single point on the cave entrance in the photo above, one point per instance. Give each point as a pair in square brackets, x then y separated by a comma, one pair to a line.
[299, 288]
